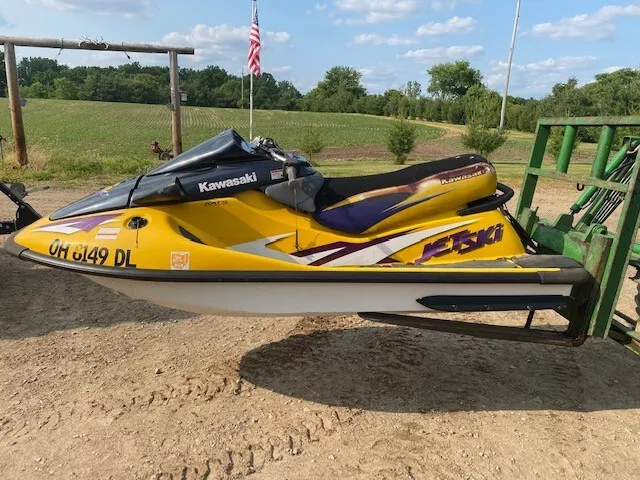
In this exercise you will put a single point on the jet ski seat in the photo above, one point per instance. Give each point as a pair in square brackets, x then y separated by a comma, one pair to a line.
[359, 204]
[336, 190]
[355, 204]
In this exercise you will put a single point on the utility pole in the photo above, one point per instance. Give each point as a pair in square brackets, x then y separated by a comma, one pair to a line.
[503, 112]
[13, 88]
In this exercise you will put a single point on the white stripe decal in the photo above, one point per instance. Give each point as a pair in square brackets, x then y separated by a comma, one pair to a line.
[259, 247]
[66, 228]
[366, 256]
[376, 253]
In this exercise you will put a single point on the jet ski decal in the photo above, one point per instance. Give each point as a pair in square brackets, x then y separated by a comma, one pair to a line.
[374, 252]
[69, 227]
[260, 248]
[343, 254]
[360, 212]
[462, 242]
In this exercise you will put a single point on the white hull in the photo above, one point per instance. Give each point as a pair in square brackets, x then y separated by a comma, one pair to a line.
[253, 299]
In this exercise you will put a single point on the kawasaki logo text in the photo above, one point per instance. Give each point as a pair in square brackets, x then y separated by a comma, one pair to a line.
[231, 182]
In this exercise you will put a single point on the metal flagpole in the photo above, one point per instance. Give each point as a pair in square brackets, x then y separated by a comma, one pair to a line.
[253, 7]
[509, 63]
[251, 109]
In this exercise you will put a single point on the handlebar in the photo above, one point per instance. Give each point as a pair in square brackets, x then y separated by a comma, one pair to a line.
[292, 174]
[290, 164]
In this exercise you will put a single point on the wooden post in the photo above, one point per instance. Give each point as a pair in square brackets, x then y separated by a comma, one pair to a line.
[14, 104]
[86, 44]
[176, 127]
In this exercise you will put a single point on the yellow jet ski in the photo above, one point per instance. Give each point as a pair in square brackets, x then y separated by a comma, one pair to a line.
[244, 229]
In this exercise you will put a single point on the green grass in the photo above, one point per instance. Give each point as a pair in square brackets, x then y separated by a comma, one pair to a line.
[74, 139]
[107, 142]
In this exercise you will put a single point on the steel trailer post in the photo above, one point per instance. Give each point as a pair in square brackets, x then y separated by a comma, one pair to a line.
[568, 142]
[604, 149]
[531, 178]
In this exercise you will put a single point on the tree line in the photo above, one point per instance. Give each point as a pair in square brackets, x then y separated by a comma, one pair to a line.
[456, 94]
[454, 91]
[134, 83]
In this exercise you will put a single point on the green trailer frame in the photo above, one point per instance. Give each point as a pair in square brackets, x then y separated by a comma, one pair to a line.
[605, 254]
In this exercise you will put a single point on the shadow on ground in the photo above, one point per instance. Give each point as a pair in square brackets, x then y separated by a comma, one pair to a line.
[403, 370]
[36, 300]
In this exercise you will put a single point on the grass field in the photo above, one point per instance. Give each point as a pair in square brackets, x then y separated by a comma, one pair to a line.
[110, 141]
[73, 139]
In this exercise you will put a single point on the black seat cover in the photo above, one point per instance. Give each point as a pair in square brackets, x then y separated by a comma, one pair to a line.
[336, 190]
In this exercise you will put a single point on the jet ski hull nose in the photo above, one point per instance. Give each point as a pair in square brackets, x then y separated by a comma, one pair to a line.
[554, 283]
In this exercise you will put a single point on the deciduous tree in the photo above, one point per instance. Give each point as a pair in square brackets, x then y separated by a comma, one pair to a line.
[453, 80]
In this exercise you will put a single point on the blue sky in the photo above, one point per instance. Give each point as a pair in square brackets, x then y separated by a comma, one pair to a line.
[389, 41]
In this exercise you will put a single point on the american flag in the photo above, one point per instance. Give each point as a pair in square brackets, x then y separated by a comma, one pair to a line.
[254, 44]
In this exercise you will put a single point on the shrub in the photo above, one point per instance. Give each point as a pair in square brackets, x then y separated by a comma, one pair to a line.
[482, 111]
[312, 142]
[483, 140]
[401, 140]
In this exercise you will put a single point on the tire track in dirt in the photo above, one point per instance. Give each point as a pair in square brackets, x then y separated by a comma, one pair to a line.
[239, 459]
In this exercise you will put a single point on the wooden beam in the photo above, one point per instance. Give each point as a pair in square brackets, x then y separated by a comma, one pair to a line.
[13, 88]
[88, 44]
[176, 126]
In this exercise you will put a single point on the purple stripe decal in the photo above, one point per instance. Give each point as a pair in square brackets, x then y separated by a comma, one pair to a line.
[348, 248]
[85, 224]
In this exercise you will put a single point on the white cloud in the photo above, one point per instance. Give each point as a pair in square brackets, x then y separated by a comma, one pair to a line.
[276, 37]
[276, 70]
[541, 76]
[380, 77]
[429, 55]
[320, 7]
[222, 42]
[375, 39]
[563, 64]
[613, 69]
[455, 25]
[125, 8]
[443, 5]
[377, 11]
[598, 25]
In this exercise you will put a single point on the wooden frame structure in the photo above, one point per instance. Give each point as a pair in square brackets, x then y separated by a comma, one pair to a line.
[86, 44]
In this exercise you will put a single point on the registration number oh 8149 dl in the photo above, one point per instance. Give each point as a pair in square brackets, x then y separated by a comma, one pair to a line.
[79, 252]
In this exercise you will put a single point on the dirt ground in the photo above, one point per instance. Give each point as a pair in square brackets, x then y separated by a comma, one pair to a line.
[96, 386]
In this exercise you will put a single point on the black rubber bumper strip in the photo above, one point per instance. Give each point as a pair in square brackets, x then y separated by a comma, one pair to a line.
[12, 247]
[571, 276]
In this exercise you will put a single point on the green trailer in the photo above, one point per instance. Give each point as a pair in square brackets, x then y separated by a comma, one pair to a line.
[580, 234]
